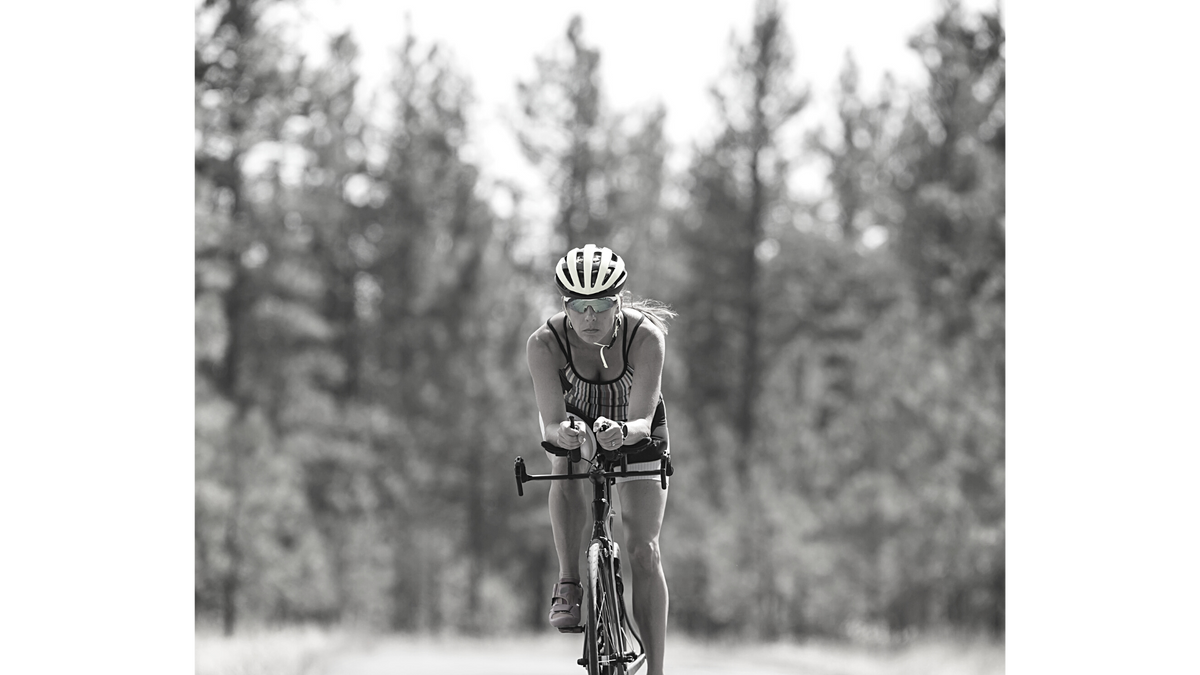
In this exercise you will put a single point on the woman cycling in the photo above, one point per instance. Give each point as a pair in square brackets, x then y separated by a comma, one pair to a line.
[600, 360]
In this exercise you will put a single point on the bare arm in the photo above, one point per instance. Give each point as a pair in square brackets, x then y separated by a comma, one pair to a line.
[542, 355]
[646, 354]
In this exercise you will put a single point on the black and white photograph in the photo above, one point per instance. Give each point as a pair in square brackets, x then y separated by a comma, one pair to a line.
[459, 267]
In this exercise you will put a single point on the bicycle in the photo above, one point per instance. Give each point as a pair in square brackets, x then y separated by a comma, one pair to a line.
[607, 644]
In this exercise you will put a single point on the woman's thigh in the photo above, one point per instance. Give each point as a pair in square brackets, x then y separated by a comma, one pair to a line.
[643, 503]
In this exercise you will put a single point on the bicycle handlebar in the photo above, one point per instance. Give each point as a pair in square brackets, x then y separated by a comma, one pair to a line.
[606, 457]
[523, 476]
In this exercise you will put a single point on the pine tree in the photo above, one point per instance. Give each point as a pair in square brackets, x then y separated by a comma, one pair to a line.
[738, 187]
[605, 169]
[240, 90]
[917, 496]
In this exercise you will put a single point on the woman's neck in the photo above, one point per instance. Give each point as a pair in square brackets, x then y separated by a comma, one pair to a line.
[598, 348]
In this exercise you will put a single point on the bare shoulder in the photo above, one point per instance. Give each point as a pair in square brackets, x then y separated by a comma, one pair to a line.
[649, 338]
[542, 347]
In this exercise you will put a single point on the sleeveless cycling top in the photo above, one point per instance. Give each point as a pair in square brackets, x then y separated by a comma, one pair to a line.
[590, 399]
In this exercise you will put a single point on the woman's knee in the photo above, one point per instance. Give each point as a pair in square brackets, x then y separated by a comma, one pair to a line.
[567, 491]
[644, 553]
[557, 464]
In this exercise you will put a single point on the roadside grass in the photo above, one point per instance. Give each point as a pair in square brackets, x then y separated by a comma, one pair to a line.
[313, 651]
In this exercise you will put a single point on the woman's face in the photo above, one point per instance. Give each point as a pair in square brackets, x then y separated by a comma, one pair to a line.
[590, 325]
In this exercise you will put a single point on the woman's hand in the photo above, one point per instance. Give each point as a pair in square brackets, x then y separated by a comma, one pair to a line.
[608, 433]
[569, 438]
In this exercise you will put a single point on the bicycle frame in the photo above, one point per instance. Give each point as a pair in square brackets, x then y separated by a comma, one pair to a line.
[606, 604]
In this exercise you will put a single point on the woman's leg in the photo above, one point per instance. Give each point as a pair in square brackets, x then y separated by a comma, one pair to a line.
[642, 505]
[568, 511]
[569, 515]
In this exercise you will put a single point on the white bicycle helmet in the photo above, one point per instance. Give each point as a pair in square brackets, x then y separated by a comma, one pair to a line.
[589, 272]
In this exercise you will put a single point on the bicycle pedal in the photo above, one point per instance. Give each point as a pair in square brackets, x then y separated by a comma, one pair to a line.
[571, 629]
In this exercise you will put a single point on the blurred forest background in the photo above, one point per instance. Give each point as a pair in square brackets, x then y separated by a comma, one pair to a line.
[835, 377]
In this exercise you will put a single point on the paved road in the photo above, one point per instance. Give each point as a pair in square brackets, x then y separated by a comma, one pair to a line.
[314, 652]
[555, 655]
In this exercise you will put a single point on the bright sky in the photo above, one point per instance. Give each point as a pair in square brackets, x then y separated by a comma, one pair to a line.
[651, 50]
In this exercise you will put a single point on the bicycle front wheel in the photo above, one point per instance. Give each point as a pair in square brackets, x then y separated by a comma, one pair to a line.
[605, 647]
[595, 613]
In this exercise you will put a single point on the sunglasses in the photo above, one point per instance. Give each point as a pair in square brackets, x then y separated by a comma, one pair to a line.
[598, 305]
